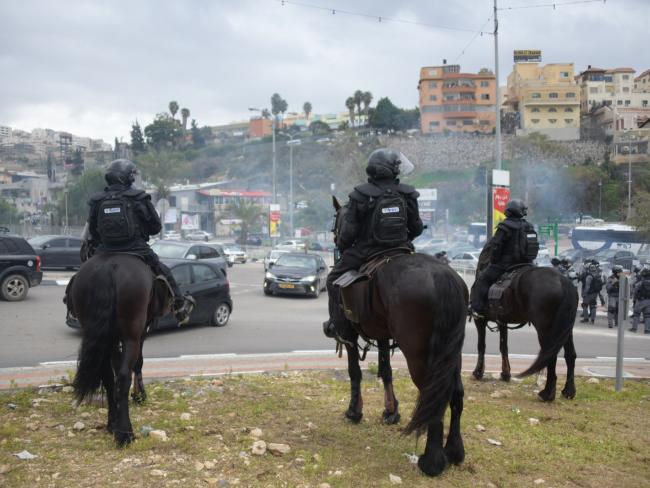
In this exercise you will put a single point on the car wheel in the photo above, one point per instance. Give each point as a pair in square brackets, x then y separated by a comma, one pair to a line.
[316, 294]
[221, 315]
[14, 288]
[268, 292]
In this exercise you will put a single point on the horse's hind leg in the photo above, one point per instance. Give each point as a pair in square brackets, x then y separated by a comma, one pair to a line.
[123, 429]
[391, 413]
[434, 460]
[503, 347]
[139, 394]
[354, 412]
[569, 390]
[454, 449]
[479, 370]
[548, 393]
[108, 380]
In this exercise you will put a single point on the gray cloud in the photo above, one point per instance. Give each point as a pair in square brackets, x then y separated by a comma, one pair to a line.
[93, 67]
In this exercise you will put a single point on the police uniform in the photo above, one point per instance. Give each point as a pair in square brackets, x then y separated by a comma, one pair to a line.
[505, 252]
[356, 239]
[642, 302]
[612, 287]
[591, 291]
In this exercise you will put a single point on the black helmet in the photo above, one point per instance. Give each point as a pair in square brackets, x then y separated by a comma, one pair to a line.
[516, 208]
[121, 172]
[645, 272]
[555, 261]
[617, 268]
[385, 164]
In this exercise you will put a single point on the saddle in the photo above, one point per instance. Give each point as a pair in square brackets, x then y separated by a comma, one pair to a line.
[500, 294]
[356, 286]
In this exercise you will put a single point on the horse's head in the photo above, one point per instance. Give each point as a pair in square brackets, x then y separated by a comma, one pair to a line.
[339, 214]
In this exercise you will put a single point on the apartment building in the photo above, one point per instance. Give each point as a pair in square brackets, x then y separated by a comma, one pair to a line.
[617, 86]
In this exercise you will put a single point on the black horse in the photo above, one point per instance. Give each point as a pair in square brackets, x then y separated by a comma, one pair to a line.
[114, 297]
[420, 303]
[548, 300]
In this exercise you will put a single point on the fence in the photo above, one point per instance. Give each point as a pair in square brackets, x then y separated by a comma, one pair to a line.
[28, 230]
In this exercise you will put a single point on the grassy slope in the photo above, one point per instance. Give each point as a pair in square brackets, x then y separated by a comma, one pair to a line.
[600, 439]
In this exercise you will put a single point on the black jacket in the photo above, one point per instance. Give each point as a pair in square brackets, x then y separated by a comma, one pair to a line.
[505, 242]
[148, 221]
[355, 231]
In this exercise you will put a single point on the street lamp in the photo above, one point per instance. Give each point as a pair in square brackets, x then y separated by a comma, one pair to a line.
[291, 142]
[600, 198]
[65, 192]
[630, 138]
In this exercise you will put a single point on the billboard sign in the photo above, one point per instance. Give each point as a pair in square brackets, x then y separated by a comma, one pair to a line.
[427, 199]
[190, 221]
[528, 56]
[500, 198]
[274, 220]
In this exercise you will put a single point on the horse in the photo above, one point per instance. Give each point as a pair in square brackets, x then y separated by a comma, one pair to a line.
[421, 304]
[115, 297]
[548, 300]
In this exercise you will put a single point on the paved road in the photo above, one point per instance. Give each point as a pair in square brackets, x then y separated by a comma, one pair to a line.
[34, 331]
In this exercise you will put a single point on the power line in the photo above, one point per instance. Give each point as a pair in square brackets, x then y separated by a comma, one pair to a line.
[379, 18]
[471, 41]
[554, 4]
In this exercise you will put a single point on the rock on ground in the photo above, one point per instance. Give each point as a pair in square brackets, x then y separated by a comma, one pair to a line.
[259, 448]
[279, 449]
[394, 479]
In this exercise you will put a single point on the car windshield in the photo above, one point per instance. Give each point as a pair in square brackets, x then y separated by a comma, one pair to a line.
[275, 254]
[304, 262]
[168, 250]
[39, 241]
[606, 254]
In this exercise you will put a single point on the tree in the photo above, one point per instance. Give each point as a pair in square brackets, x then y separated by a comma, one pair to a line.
[306, 107]
[161, 167]
[366, 98]
[384, 116]
[173, 108]
[358, 99]
[8, 212]
[198, 140]
[89, 183]
[77, 162]
[641, 217]
[137, 139]
[249, 214]
[185, 114]
[164, 131]
[318, 127]
[349, 103]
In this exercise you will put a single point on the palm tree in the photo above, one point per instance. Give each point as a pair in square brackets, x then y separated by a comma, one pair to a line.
[358, 98]
[246, 211]
[173, 108]
[307, 109]
[366, 98]
[185, 113]
[349, 103]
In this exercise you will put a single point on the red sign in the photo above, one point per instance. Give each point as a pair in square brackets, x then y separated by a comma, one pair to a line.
[500, 199]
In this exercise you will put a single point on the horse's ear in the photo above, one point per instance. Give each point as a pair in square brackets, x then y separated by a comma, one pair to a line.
[336, 203]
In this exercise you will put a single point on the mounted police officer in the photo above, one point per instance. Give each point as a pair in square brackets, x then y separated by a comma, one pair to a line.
[514, 242]
[642, 301]
[612, 287]
[122, 219]
[381, 214]
[592, 285]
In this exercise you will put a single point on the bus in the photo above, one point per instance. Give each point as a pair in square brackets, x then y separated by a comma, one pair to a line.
[477, 234]
[609, 236]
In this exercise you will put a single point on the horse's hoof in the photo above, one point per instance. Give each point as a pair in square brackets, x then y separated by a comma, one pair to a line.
[354, 417]
[123, 439]
[109, 428]
[478, 375]
[506, 377]
[139, 398]
[391, 418]
[569, 393]
[455, 451]
[546, 396]
[433, 465]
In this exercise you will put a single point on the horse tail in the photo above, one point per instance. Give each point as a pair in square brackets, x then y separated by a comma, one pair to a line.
[561, 329]
[99, 335]
[445, 348]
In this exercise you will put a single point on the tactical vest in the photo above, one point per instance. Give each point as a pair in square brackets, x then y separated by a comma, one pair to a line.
[523, 245]
[644, 290]
[596, 283]
[117, 221]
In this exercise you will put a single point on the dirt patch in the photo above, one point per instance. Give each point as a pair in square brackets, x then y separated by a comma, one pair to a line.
[600, 439]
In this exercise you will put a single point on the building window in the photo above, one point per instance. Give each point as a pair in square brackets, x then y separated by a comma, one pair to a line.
[553, 95]
[534, 109]
[570, 95]
[432, 98]
[434, 123]
[626, 89]
[451, 122]
[433, 84]
[535, 121]
[564, 74]
[626, 77]
[484, 122]
[535, 95]
[568, 121]
[644, 103]
[485, 84]
[608, 79]
[552, 109]
[568, 109]
[619, 102]
[433, 72]
[485, 96]
[593, 89]
[627, 103]
[468, 122]
[552, 121]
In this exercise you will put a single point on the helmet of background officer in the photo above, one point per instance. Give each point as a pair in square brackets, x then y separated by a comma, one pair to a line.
[566, 262]
[636, 268]
[121, 172]
[387, 164]
[645, 272]
[516, 208]
[555, 261]
[617, 269]
[593, 268]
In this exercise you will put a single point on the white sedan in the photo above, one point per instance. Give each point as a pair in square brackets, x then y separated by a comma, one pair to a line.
[291, 245]
[199, 235]
[272, 256]
[466, 260]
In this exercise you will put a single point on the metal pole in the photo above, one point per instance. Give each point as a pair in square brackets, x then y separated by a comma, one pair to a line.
[291, 190]
[275, 194]
[600, 198]
[66, 212]
[498, 91]
[629, 179]
[623, 312]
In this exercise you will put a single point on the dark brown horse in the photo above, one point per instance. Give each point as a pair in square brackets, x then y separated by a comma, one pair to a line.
[548, 300]
[420, 303]
[114, 297]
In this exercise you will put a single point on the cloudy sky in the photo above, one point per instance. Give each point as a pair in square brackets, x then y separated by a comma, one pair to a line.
[93, 67]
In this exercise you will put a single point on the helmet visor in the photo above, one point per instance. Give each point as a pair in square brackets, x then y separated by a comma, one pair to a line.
[406, 166]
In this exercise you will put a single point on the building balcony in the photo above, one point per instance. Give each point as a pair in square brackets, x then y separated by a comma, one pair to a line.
[462, 101]
[459, 89]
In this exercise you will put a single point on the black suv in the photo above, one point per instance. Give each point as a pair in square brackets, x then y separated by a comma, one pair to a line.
[20, 268]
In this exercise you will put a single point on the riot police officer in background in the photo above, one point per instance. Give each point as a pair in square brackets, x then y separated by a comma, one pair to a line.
[592, 284]
[122, 219]
[642, 302]
[514, 242]
[612, 287]
[381, 214]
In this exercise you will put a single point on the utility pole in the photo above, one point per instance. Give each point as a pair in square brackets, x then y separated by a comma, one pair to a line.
[275, 193]
[498, 90]
[629, 176]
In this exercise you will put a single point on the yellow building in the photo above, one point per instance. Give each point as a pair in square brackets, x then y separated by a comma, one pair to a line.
[546, 99]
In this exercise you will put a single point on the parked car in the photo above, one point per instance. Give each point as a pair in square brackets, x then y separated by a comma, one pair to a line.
[20, 268]
[588, 219]
[172, 235]
[251, 240]
[199, 235]
[57, 251]
[611, 257]
[212, 253]
[209, 286]
[234, 253]
[272, 256]
[296, 274]
[291, 245]
[467, 260]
